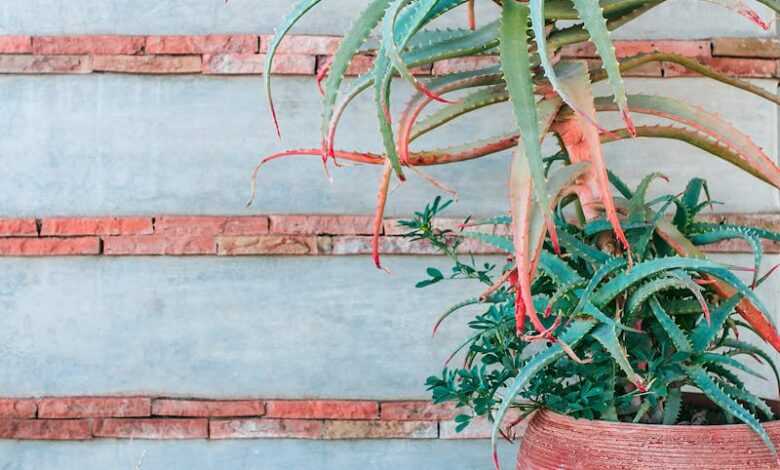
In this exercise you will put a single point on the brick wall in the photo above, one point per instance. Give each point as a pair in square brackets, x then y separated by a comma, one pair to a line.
[185, 331]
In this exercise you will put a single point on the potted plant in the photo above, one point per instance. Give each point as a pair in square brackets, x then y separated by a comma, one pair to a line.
[606, 310]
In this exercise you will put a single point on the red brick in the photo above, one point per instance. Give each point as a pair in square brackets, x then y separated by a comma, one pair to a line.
[15, 44]
[749, 68]
[685, 48]
[302, 44]
[210, 44]
[17, 408]
[18, 228]
[267, 245]
[206, 408]
[159, 245]
[463, 64]
[579, 50]
[380, 430]
[265, 428]
[253, 64]
[360, 65]
[45, 64]
[212, 225]
[67, 45]
[69, 226]
[94, 407]
[768, 48]
[152, 64]
[321, 224]
[322, 409]
[151, 428]
[416, 411]
[49, 246]
[45, 429]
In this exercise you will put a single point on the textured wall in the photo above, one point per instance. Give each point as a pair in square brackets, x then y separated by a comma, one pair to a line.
[165, 139]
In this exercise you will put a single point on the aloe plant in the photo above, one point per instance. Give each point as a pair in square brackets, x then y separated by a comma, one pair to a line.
[553, 97]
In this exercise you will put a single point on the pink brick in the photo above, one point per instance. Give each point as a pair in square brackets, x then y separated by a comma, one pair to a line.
[416, 411]
[768, 221]
[45, 64]
[212, 225]
[685, 48]
[321, 224]
[210, 44]
[748, 68]
[580, 50]
[267, 245]
[159, 245]
[302, 44]
[17, 408]
[380, 430]
[15, 44]
[45, 429]
[69, 226]
[265, 428]
[49, 246]
[322, 409]
[151, 428]
[463, 64]
[94, 407]
[18, 228]
[737, 245]
[153, 64]
[650, 69]
[360, 65]
[253, 64]
[768, 48]
[207, 408]
[66, 45]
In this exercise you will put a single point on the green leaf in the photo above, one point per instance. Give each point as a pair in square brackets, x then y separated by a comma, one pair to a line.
[705, 332]
[672, 406]
[670, 327]
[703, 381]
[606, 336]
[715, 358]
[498, 241]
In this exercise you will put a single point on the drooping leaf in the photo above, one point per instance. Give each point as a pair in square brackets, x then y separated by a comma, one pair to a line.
[605, 335]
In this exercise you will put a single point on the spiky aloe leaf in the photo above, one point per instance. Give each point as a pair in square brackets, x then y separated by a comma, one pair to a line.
[353, 40]
[594, 21]
[708, 386]
[606, 336]
[498, 241]
[574, 245]
[582, 142]
[715, 358]
[636, 205]
[560, 272]
[717, 235]
[573, 335]
[671, 328]
[672, 406]
[740, 347]
[299, 10]
[647, 290]
[604, 270]
[751, 156]
[748, 398]
[516, 64]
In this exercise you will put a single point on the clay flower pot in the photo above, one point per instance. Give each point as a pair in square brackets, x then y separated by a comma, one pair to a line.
[554, 441]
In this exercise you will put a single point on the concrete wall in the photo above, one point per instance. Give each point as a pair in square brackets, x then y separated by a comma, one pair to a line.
[279, 327]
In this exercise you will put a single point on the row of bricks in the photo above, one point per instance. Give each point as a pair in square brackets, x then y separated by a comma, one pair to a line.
[304, 55]
[260, 235]
[81, 418]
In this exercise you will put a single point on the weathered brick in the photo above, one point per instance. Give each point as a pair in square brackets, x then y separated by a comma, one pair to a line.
[464, 64]
[212, 225]
[45, 64]
[69, 226]
[209, 44]
[768, 221]
[302, 44]
[455, 224]
[18, 228]
[322, 409]
[737, 245]
[380, 430]
[321, 224]
[159, 245]
[768, 48]
[361, 245]
[17, 408]
[68, 45]
[253, 64]
[650, 69]
[15, 44]
[579, 50]
[45, 429]
[49, 246]
[207, 408]
[684, 48]
[481, 428]
[267, 245]
[151, 64]
[748, 68]
[94, 407]
[362, 63]
[416, 411]
[151, 428]
[265, 428]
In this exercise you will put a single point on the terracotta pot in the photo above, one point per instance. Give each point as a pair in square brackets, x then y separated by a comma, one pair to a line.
[554, 441]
